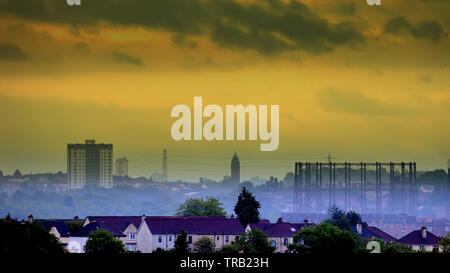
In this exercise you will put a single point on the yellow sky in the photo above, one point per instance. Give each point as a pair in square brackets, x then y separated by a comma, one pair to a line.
[375, 93]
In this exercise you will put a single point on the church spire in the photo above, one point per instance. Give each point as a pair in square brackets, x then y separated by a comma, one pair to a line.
[235, 169]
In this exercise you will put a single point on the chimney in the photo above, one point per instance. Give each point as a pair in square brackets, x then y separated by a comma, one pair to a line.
[359, 227]
[30, 218]
[280, 220]
[424, 232]
[75, 217]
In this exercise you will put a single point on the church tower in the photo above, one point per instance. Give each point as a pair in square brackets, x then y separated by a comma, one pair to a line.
[235, 170]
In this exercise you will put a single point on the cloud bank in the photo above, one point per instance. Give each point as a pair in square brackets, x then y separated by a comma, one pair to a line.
[266, 26]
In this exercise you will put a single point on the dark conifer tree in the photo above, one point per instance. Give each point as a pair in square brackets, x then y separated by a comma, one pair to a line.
[247, 208]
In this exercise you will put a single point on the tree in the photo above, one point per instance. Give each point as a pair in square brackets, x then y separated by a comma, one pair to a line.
[74, 225]
[246, 208]
[272, 183]
[156, 176]
[338, 218]
[181, 243]
[254, 241]
[200, 207]
[288, 179]
[226, 179]
[229, 249]
[324, 238]
[341, 219]
[396, 249]
[27, 238]
[17, 173]
[353, 218]
[335, 213]
[205, 180]
[259, 241]
[256, 180]
[435, 176]
[102, 242]
[204, 245]
[445, 243]
[246, 184]
[160, 250]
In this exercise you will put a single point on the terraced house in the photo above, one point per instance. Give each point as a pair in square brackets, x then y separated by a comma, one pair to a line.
[147, 233]
[280, 234]
[161, 231]
[421, 240]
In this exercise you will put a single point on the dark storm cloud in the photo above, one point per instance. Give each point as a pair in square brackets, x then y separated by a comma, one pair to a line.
[267, 26]
[121, 57]
[429, 30]
[181, 40]
[348, 8]
[397, 25]
[10, 52]
[357, 103]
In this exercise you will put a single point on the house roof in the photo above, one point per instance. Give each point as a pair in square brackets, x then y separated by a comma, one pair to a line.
[373, 232]
[262, 224]
[118, 223]
[115, 225]
[59, 224]
[93, 226]
[378, 233]
[415, 238]
[302, 225]
[194, 225]
[280, 229]
[85, 230]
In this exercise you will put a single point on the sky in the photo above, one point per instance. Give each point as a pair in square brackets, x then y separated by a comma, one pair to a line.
[364, 83]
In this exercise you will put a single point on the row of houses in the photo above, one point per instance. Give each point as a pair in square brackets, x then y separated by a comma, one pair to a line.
[397, 225]
[418, 240]
[148, 233]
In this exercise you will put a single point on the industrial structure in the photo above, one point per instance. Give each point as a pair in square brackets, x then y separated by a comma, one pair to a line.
[361, 186]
